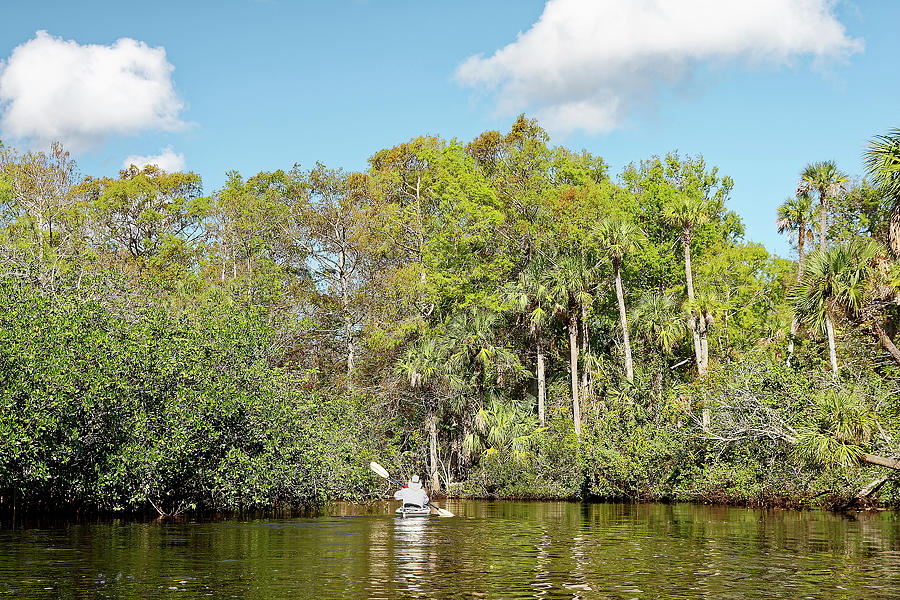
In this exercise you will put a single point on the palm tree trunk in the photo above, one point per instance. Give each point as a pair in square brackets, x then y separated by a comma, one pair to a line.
[623, 322]
[801, 255]
[704, 347]
[829, 328]
[881, 461]
[693, 320]
[585, 350]
[894, 230]
[698, 352]
[541, 380]
[432, 447]
[573, 367]
[801, 241]
[886, 341]
[688, 275]
[823, 220]
[791, 337]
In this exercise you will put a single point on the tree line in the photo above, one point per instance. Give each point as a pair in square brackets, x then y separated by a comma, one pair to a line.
[504, 315]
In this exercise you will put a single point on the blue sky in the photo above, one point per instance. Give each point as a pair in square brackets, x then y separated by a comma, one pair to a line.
[260, 85]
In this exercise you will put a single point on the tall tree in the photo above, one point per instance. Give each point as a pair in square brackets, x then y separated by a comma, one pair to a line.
[565, 279]
[476, 361]
[794, 215]
[41, 207]
[531, 297]
[658, 323]
[686, 212]
[836, 282]
[424, 366]
[331, 221]
[405, 223]
[882, 160]
[825, 179]
[149, 217]
[251, 225]
[617, 238]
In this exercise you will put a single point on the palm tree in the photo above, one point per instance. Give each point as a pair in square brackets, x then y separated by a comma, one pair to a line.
[824, 178]
[617, 238]
[656, 320]
[705, 306]
[882, 159]
[507, 427]
[473, 355]
[686, 212]
[423, 365]
[835, 281]
[841, 425]
[565, 281]
[531, 296]
[793, 216]
[841, 428]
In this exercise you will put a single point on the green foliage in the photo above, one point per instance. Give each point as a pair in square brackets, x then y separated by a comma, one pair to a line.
[840, 426]
[179, 411]
[255, 347]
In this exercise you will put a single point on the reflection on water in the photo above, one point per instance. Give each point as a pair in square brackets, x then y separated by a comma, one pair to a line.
[411, 554]
[492, 550]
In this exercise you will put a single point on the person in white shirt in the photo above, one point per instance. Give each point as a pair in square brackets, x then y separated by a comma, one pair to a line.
[412, 494]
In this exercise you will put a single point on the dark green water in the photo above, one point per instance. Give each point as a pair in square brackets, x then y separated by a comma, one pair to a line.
[492, 550]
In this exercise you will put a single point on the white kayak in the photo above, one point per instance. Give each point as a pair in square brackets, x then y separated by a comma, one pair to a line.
[413, 511]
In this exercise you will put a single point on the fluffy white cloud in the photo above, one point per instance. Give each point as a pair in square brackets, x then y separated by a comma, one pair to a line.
[55, 89]
[586, 64]
[167, 160]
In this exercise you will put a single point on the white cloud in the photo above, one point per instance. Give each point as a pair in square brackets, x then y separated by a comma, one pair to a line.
[586, 64]
[167, 160]
[55, 89]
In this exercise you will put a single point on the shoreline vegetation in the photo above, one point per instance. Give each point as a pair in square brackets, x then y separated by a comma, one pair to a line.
[505, 318]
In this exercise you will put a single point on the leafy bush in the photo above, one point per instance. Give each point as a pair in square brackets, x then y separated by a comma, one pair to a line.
[173, 410]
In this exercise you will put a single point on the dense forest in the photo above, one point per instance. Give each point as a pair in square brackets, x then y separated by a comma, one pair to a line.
[505, 317]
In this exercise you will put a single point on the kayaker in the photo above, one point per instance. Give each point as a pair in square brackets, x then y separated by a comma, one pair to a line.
[412, 494]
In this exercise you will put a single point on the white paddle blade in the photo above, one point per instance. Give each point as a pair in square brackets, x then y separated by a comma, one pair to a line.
[382, 472]
[445, 513]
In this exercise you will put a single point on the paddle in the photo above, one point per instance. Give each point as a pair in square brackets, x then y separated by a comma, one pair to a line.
[382, 472]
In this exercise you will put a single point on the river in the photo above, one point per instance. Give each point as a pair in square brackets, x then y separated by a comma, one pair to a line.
[490, 550]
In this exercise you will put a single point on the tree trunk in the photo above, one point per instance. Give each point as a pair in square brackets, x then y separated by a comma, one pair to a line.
[693, 321]
[466, 431]
[823, 223]
[801, 255]
[541, 380]
[894, 230]
[886, 341]
[623, 322]
[872, 487]
[791, 337]
[704, 349]
[801, 258]
[573, 366]
[881, 461]
[585, 349]
[432, 447]
[348, 322]
[829, 328]
[689, 276]
[695, 334]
